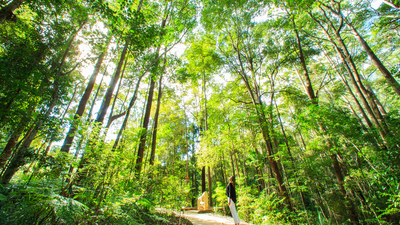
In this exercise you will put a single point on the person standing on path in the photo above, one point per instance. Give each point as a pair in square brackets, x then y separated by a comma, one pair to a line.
[230, 192]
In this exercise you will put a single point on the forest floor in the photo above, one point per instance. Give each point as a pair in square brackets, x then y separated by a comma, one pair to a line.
[207, 218]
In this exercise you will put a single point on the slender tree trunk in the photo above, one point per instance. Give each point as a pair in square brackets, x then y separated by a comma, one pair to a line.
[20, 156]
[262, 121]
[377, 62]
[209, 188]
[234, 155]
[260, 172]
[205, 131]
[146, 119]
[203, 179]
[8, 150]
[128, 111]
[349, 62]
[309, 88]
[337, 169]
[244, 168]
[376, 100]
[351, 69]
[155, 126]
[187, 146]
[391, 4]
[110, 118]
[82, 105]
[364, 115]
[107, 98]
[349, 205]
[369, 96]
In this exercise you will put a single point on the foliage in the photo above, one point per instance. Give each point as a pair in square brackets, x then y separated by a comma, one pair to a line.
[298, 99]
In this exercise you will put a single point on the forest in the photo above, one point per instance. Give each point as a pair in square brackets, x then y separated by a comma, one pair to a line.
[111, 109]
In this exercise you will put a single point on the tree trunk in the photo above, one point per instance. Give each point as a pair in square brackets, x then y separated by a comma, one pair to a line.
[110, 118]
[6, 13]
[8, 150]
[376, 100]
[338, 172]
[128, 111]
[349, 63]
[260, 172]
[364, 115]
[203, 179]
[385, 72]
[82, 105]
[143, 137]
[205, 131]
[369, 96]
[234, 155]
[20, 155]
[155, 126]
[349, 205]
[391, 4]
[209, 188]
[107, 98]
[351, 69]
[262, 121]
[309, 88]
[146, 120]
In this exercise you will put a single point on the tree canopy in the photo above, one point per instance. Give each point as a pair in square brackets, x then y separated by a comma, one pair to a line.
[111, 109]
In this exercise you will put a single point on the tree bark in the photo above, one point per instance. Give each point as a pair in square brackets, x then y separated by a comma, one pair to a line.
[155, 126]
[143, 136]
[347, 61]
[8, 150]
[82, 105]
[209, 187]
[391, 4]
[309, 88]
[205, 131]
[203, 179]
[377, 62]
[110, 118]
[342, 77]
[338, 172]
[6, 13]
[128, 111]
[262, 121]
[146, 120]
[107, 98]
[20, 156]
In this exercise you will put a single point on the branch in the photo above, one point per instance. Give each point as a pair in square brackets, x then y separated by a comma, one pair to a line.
[390, 4]
[240, 101]
[74, 68]
[117, 116]
[390, 16]
[322, 84]
[166, 51]
[319, 23]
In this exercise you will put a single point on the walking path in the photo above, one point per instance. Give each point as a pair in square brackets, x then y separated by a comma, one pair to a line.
[208, 218]
[204, 218]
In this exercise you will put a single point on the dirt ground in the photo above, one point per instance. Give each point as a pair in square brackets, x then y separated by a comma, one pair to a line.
[208, 218]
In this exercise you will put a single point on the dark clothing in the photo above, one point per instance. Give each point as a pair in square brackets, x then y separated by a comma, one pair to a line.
[230, 192]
